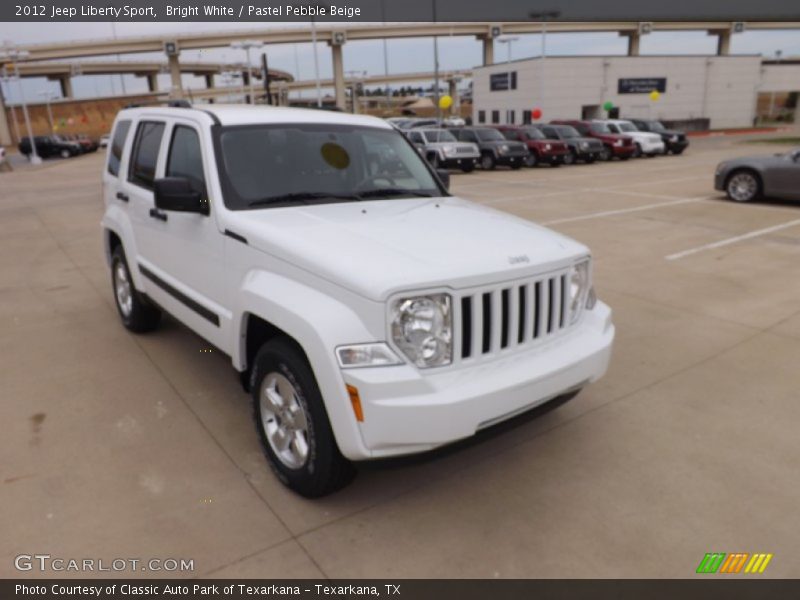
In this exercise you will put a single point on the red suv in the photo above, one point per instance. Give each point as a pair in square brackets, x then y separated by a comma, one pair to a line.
[614, 144]
[542, 149]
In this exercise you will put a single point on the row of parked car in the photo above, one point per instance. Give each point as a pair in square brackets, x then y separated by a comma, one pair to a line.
[63, 146]
[560, 142]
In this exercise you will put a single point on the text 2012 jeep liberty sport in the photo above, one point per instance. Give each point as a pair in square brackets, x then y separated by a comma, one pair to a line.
[369, 312]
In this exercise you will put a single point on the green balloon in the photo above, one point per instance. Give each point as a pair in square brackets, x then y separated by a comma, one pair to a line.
[608, 105]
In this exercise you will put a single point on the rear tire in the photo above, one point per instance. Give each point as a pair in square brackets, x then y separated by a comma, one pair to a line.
[468, 168]
[637, 151]
[569, 158]
[531, 160]
[605, 154]
[65, 153]
[292, 422]
[136, 313]
[743, 185]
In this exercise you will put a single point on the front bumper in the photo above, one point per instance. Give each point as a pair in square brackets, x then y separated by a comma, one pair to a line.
[553, 158]
[458, 162]
[407, 410]
[653, 148]
[510, 160]
[679, 146]
[623, 151]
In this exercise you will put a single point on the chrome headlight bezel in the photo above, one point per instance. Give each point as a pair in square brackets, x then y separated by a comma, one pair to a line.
[579, 285]
[421, 328]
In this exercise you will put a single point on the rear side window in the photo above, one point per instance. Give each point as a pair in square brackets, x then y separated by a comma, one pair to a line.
[117, 144]
[145, 153]
[186, 159]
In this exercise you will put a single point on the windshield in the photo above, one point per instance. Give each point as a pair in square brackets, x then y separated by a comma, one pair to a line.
[565, 131]
[290, 164]
[534, 133]
[438, 135]
[627, 127]
[489, 135]
[599, 128]
[656, 126]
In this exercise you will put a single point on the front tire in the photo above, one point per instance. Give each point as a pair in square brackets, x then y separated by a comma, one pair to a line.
[743, 186]
[292, 422]
[136, 313]
[468, 168]
[65, 153]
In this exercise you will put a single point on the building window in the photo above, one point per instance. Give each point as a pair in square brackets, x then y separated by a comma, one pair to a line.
[510, 116]
[481, 116]
[496, 117]
[526, 117]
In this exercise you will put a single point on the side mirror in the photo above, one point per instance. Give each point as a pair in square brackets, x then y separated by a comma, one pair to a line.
[444, 177]
[177, 194]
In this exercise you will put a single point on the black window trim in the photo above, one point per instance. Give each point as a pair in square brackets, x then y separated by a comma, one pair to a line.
[175, 128]
[122, 151]
[135, 149]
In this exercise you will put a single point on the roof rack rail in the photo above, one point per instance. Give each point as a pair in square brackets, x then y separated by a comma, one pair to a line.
[181, 103]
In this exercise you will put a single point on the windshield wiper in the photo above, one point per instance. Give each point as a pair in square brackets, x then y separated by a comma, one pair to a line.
[385, 192]
[302, 197]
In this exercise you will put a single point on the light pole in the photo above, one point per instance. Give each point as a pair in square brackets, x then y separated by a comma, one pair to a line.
[778, 54]
[508, 40]
[247, 45]
[316, 61]
[16, 55]
[48, 96]
[436, 70]
[543, 16]
[388, 91]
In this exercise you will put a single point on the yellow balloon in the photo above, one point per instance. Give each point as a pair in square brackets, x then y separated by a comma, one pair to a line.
[445, 102]
[655, 95]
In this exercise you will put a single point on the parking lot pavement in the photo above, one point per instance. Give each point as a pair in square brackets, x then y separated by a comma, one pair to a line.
[117, 445]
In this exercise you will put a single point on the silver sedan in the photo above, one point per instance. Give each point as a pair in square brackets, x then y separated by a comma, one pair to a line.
[753, 177]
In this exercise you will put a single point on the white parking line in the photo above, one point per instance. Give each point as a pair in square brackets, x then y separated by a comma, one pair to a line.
[622, 211]
[733, 240]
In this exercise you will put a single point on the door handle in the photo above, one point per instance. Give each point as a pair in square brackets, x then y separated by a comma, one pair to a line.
[157, 214]
[123, 197]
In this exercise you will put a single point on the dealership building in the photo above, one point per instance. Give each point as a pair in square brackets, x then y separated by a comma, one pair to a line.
[699, 91]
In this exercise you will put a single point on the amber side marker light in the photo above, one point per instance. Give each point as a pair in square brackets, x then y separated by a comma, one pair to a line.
[352, 391]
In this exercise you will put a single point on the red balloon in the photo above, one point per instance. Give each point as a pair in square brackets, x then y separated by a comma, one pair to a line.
[536, 114]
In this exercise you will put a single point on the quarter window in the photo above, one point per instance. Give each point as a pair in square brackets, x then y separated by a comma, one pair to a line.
[145, 153]
[117, 145]
[186, 159]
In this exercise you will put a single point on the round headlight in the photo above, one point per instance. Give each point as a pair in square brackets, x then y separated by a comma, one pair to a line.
[422, 329]
[504, 148]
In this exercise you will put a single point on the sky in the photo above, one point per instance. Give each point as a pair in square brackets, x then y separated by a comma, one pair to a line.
[404, 55]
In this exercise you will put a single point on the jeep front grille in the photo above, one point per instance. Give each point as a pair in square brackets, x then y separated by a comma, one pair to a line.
[512, 316]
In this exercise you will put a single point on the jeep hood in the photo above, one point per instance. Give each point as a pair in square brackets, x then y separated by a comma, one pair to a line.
[375, 248]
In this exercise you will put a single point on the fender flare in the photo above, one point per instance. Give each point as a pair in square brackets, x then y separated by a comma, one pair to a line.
[318, 323]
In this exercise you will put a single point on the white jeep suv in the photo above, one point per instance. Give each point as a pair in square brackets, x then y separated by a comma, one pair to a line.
[369, 312]
[647, 144]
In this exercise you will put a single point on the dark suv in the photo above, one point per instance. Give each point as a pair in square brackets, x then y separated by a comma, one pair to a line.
[47, 146]
[675, 141]
[541, 149]
[582, 148]
[614, 144]
[495, 149]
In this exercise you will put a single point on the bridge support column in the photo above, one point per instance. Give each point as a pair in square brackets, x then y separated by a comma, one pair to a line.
[452, 90]
[5, 130]
[209, 80]
[488, 50]
[176, 90]
[723, 41]
[634, 39]
[66, 86]
[152, 82]
[338, 76]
